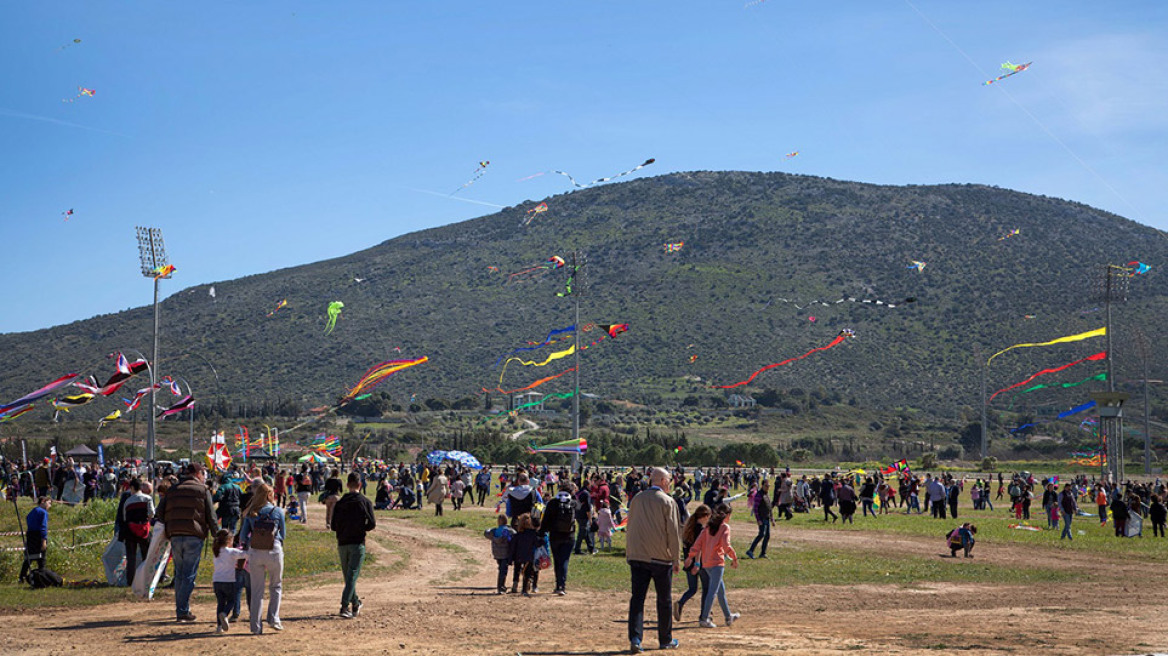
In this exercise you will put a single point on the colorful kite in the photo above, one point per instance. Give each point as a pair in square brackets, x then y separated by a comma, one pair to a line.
[41, 393]
[1141, 268]
[1013, 69]
[918, 265]
[185, 403]
[1098, 332]
[477, 174]
[534, 385]
[13, 414]
[218, 457]
[1030, 316]
[811, 319]
[674, 247]
[126, 371]
[567, 446]
[614, 329]
[279, 306]
[1096, 377]
[794, 154]
[111, 417]
[75, 42]
[600, 180]
[68, 213]
[552, 357]
[538, 345]
[493, 269]
[848, 299]
[334, 311]
[534, 212]
[377, 375]
[693, 359]
[163, 271]
[844, 334]
[537, 271]
[82, 92]
[1091, 358]
[67, 403]
[1013, 233]
[570, 281]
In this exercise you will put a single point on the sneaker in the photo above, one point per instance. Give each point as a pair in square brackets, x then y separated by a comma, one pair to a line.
[186, 618]
[733, 618]
[707, 624]
[346, 614]
[672, 644]
[514, 590]
[501, 591]
[234, 617]
[561, 592]
[221, 623]
[357, 607]
[750, 555]
[676, 612]
[635, 647]
[763, 556]
[276, 626]
[535, 591]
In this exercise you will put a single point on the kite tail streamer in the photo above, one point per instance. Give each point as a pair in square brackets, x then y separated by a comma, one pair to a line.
[550, 358]
[835, 342]
[600, 180]
[1098, 332]
[534, 385]
[1090, 358]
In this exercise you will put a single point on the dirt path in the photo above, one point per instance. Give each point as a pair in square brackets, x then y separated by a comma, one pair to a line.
[432, 594]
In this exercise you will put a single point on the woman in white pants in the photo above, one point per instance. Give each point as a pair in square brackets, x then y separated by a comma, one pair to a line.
[262, 536]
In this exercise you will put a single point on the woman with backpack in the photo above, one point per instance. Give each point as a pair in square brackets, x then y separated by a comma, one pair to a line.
[263, 538]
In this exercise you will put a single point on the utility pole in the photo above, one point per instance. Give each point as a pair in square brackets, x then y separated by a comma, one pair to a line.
[574, 287]
[984, 406]
[1142, 343]
[1111, 287]
[152, 256]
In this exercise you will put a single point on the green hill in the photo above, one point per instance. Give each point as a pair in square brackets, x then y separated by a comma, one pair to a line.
[751, 239]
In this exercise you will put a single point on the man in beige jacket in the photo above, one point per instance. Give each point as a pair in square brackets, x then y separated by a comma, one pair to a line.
[653, 546]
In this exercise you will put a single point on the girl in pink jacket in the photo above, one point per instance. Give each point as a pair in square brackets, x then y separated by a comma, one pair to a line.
[711, 549]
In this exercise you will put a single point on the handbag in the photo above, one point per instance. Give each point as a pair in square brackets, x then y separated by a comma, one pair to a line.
[541, 558]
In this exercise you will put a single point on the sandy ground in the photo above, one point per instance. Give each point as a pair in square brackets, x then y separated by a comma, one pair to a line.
[439, 600]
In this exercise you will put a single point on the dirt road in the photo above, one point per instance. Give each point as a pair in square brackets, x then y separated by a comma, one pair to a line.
[432, 594]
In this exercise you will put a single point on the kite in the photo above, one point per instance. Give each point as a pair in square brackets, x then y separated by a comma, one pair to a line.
[41, 393]
[1096, 377]
[614, 329]
[571, 279]
[1022, 527]
[811, 319]
[792, 155]
[81, 92]
[693, 359]
[1141, 268]
[579, 445]
[1030, 316]
[918, 265]
[493, 269]
[359, 280]
[163, 271]
[68, 213]
[279, 306]
[537, 271]
[534, 212]
[600, 180]
[185, 403]
[1013, 69]
[1090, 358]
[75, 42]
[848, 299]
[1098, 332]
[477, 174]
[674, 247]
[1013, 233]
[13, 414]
[844, 334]
[211, 291]
[377, 374]
[111, 417]
[218, 457]
[126, 371]
[334, 311]
[67, 403]
[537, 383]
[1077, 409]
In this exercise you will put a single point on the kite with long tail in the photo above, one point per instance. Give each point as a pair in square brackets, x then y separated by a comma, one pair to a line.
[844, 334]
[538, 345]
[482, 169]
[185, 403]
[1090, 358]
[377, 375]
[41, 393]
[848, 299]
[579, 445]
[334, 311]
[1098, 332]
[13, 414]
[534, 212]
[536, 271]
[534, 385]
[1089, 379]
[552, 357]
[1013, 69]
[279, 306]
[602, 180]
[1062, 415]
[82, 92]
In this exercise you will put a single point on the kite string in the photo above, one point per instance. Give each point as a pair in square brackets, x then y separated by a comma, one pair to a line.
[1034, 118]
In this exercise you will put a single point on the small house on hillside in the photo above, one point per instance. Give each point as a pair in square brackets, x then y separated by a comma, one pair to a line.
[741, 401]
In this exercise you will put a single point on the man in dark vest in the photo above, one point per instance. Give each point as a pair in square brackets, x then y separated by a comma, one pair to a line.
[189, 516]
[352, 519]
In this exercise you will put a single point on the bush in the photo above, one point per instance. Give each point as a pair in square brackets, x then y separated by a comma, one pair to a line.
[800, 455]
[989, 464]
[928, 460]
[951, 452]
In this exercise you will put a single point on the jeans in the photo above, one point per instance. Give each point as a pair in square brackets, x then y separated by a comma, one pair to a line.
[661, 575]
[985, 501]
[224, 597]
[717, 588]
[1066, 526]
[561, 552]
[939, 509]
[187, 550]
[352, 556]
[302, 499]
[868, 507]
[584, 535]
[242, 584]
[229, 522]
[134, 547]
[764, 535]
[913, 502]
[270, 564]
[691, 582]
[501, 583]
[482, 493]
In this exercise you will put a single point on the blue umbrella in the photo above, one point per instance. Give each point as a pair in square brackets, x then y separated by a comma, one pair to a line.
[436, 457]
[465, 459]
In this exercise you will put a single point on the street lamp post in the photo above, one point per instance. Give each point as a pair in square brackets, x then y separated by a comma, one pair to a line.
[152, 256]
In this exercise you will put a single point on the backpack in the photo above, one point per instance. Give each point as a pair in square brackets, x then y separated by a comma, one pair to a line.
[263, 532]
[565, 522]
[44, 578]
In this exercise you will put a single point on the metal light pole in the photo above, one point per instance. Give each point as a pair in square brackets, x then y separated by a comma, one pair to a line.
[152, 255]
[575, 287]
[984, 405]
[1111, 287]
[1142, 343]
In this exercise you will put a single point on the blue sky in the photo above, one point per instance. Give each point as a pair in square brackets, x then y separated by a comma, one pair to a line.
[263, 135]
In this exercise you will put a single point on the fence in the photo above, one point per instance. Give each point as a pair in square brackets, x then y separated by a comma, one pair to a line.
[72, 537]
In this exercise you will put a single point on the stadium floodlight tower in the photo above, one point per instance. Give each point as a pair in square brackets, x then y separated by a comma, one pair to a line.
[575, 288]
[152, 255]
